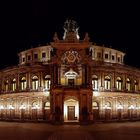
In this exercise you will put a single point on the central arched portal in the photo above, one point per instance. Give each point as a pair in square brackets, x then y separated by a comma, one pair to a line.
[71, 110]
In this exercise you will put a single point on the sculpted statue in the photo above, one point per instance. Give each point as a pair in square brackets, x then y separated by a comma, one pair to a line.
[70, 26]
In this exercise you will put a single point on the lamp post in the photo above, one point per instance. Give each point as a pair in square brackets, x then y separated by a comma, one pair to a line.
[119, 108]
[22, 108]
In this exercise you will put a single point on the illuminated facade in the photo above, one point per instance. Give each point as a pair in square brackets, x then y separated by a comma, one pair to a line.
[70, 80]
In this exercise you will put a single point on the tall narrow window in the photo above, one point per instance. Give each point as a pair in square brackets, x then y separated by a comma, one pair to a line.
[119, 83]
[35, 56]
[98, 55]
[14, 84]
[35, 83]
[135, 85]
[119, 59]
[29, 57]
[106, 56]
[107, 83]
[43, 55]
[23, 83]
[23, 59]
[113, 57]
[47, 82]
[128, 84]
[95, 82]
[6, 85]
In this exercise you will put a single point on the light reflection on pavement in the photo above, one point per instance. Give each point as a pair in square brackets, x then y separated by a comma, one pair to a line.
[43, 131]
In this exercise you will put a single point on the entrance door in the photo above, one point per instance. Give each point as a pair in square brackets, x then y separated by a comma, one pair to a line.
[71, 82]
[71, 112]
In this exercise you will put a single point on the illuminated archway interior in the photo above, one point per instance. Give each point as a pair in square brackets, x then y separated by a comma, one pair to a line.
[71, 105]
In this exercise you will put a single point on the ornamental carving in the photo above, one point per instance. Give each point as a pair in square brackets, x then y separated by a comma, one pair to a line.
[71, 57]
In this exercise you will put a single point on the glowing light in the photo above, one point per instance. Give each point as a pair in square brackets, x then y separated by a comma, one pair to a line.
[36, 107]
[106, 107]
[71, 102]
[119, 107]
[11, 107]
[22, 107]
[131, 107]
[1, 107]
[47, 93]
[137, 107]
[95, 93]
[65, 111]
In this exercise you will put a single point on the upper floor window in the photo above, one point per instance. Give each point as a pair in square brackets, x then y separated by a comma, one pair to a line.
[119, 59]
[47, 82]
[6, 85]
[35, 83]
[113, 57]
[35, 56]
[106, 56]
[98, 55]
[107, 83]
[128, 84]
[23, 59]
[119, 83]
[23, 83]
[29, 57]
[135, 85]
[95, 82]
[14, 84]
[43, 55]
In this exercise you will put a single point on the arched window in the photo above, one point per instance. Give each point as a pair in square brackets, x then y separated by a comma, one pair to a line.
[107, 105]
[14, 84]
[119, 106]
[34, 82]
[47, 105]
[95, 82]
[128, 84]
[6, 85]
[107, 83]
[95, 105]
[135, 85]
[23, 83]
[119, 83]
[35, 105]
[47, 82]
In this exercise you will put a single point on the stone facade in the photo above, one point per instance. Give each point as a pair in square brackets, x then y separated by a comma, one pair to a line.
[70, 80]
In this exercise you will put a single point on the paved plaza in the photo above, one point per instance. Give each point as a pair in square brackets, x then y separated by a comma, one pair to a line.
[43, 131]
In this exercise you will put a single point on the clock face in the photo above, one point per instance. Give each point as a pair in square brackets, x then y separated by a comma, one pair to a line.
[71, 57]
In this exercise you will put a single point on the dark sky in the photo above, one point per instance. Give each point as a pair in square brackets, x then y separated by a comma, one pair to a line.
[25, 25]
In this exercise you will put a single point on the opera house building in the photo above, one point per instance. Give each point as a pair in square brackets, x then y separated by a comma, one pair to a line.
[70, 80]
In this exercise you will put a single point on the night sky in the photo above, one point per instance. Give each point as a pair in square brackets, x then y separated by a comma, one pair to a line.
[26, 25]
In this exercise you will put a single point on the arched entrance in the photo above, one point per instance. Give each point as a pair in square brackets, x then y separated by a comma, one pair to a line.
[71, 110]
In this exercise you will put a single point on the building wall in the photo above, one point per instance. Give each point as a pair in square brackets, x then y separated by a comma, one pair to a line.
[47, 77]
